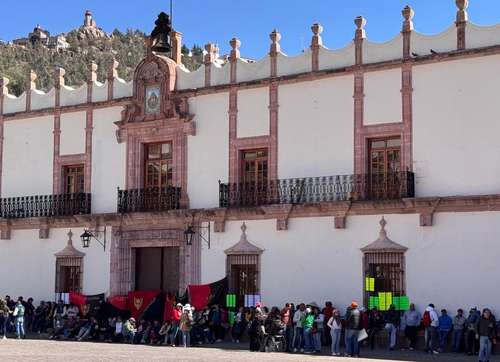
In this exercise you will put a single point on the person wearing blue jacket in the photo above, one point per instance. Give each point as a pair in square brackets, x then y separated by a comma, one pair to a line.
[445, 326]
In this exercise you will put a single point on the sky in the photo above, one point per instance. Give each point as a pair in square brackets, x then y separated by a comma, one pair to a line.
[249, 20]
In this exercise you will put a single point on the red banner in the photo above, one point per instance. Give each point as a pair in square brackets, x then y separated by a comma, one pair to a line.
[119, 302]
[139, 301]
[199, 295]
[169, 307]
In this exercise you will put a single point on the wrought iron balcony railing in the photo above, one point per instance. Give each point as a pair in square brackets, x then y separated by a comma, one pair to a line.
[318, 189]
[45, 206]
[149, 199]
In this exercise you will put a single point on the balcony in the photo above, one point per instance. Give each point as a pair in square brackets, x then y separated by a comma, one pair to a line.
[373, 187]
[149, 199]
[45, 206]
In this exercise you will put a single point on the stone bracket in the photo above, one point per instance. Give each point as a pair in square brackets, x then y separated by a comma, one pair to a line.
[43, 231]
[427, 214]
[5, 230]
[341, 217]
[220, 220]
[189, 128]
[282, 219]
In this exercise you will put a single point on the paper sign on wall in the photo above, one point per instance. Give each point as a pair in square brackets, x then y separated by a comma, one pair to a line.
[385, 301]
[370, 284]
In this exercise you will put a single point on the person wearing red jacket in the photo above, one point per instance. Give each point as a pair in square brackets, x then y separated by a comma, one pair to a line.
[176, 318]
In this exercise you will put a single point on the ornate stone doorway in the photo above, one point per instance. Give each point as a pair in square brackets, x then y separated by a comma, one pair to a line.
[153, 258]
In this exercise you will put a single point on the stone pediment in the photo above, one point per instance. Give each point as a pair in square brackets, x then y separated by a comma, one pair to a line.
[243, 246]
[69, 250]
[383, 243]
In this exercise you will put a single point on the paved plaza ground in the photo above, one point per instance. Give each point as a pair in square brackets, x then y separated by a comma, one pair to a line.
[57, 351]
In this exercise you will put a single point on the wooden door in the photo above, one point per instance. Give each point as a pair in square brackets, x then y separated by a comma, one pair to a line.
[384, 168]
[254, 177]
[157, 269]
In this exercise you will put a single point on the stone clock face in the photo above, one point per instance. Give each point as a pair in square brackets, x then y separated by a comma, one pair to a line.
[153, 97]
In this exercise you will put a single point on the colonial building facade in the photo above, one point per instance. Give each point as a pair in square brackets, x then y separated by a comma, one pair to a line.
[331, 175]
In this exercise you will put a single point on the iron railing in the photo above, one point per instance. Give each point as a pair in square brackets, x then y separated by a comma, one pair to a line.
[149, 199]
[45, 205]
[318, 189]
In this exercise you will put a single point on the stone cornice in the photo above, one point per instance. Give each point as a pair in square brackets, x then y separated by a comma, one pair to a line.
[423, 206]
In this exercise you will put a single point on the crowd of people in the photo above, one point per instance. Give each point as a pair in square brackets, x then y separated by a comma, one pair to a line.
[302, 329]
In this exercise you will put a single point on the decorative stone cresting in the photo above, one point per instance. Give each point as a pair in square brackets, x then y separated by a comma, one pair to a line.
[243, 247]
[359, 37]
[275, 48]
[383, 243]
[316, 43]
[208, 59]
[461, 22]
[69, 250]
[234, 55]
[408, 15]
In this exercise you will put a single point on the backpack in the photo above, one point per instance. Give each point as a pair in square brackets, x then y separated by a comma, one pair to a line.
[426, 319]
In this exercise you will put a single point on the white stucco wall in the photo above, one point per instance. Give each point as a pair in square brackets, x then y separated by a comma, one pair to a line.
[378, 52]
[456, 150]
[189, 80]
[122, 88]
[100, 91]
[320, 263]
[27, 264]
[253, 112]
[108, 160]
[336, 58]
[28, 157]
[446, 41]
[41, 100]
[208, 155]
[481, 36]
[315, 132]
[72, 133]
[220, 74]
[260, 69]
[382, 101]
[13, 104]
[71, 96]
[301, 63]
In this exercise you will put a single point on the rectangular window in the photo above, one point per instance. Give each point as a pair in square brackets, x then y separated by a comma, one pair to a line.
[69, 275]
[158, 165]
[74, 179]
[254, 166]
[243, 275]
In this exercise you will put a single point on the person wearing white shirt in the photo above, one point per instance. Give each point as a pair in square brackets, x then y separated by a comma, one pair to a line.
[298, 331]
[335, 325]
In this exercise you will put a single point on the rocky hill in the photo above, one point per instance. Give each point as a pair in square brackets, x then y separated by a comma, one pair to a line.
[86, 44]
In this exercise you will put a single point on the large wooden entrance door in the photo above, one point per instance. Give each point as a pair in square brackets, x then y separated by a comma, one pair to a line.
[385, 168]
[157, 268]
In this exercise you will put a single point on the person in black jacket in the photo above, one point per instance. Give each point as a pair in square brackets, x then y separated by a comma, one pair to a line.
[486, 333]
[392, 319]
[376, 324]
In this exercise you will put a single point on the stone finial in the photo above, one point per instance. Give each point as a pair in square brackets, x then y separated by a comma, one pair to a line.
[59, 77]
[408, 15]
[70, 236]
[4, 81]
[462, 6]
[92, 77]
[383, 223]
[360, 27]
[31, 81]
[317, 29]
[112, 70]
[235, 51]
[275, 37]
[211, 49]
